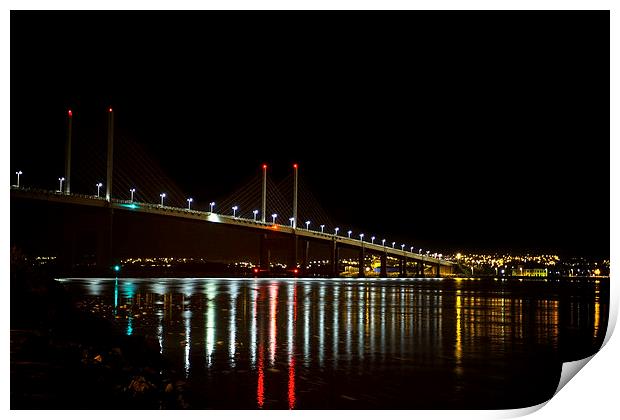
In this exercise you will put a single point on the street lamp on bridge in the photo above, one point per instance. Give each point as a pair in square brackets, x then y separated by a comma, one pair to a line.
[98, 185]
[420, 251]
[234, 209]
[162, 196]
[255, 212]
[18, 173]
[273, 216]
[393, 243]
[411, 249]
[336, 231]
[372, 239]
[361, 237]
[290, 219]
[132, 191]
[322, 227]
[383, 242]
[308, 225]
[211, 204]
[189, 203]
[61, 179]
[402, 247]
[349, 233]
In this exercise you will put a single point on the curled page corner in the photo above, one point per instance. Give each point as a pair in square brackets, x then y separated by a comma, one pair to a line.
[519, 412]
[570, 369]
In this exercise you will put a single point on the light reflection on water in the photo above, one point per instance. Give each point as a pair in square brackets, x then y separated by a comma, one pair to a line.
[376, 343]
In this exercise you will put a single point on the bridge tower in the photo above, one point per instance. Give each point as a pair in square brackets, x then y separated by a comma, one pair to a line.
[294, 196]
[108, 183]
[68, 152]
[264, 202]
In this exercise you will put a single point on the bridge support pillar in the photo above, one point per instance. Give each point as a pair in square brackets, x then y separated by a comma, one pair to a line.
[360, 272]
[292, 256]
[305, 251]
[402, 270]
[437, 270]
[105, 258]
[67, 249]
[335, 270]
[264, 254]
[420, 268]
[384, 264]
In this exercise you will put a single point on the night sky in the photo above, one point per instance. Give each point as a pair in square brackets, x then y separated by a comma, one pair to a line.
[452, 131]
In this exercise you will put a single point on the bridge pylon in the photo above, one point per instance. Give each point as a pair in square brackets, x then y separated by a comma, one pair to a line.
[68, 152]
[108, 184]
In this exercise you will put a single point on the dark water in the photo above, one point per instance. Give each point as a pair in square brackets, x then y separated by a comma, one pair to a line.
[322, 343]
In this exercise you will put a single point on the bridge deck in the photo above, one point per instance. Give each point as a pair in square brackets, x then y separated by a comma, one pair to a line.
[208, 217]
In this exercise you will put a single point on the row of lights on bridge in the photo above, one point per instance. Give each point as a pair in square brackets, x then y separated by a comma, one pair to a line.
[190, 200]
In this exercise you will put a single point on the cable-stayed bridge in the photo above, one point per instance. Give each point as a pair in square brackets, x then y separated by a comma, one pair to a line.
[280, 220]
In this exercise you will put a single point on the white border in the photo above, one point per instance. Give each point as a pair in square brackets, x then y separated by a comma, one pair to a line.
[591, 395]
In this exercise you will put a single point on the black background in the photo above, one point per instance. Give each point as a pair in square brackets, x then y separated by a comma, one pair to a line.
[453, 130]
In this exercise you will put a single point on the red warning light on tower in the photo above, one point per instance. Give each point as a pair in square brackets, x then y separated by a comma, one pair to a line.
[110, 109]
[70, 113]
[264, 166]
[295, 165]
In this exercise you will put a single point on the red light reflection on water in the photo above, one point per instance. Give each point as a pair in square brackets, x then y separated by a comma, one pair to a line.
[260, 389]
[273, 307]
[291, 361]
[291, 384]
